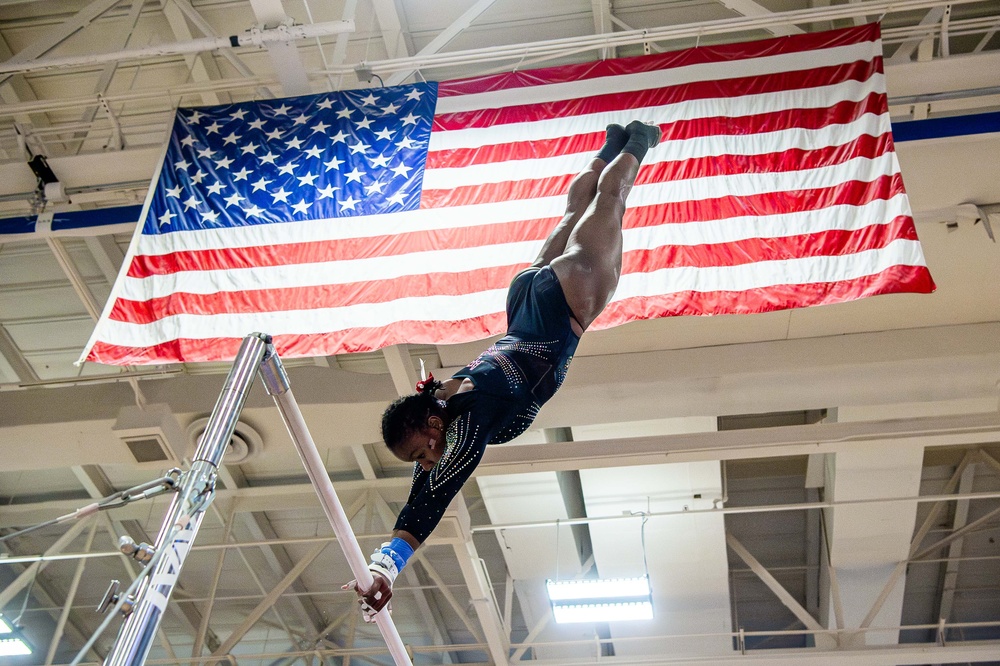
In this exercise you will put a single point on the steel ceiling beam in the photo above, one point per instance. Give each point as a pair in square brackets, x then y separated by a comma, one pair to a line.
[284, 55]
[445, 36]
[57, 35]
[751, 8]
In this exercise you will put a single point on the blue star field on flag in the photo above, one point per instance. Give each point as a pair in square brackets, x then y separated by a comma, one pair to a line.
[340, 154]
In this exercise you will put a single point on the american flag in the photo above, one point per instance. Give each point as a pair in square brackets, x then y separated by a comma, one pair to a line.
[354, 220]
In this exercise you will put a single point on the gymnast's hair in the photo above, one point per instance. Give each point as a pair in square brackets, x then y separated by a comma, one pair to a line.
[409, 414]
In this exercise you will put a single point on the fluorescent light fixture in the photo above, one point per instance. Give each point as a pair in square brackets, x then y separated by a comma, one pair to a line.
[601, 600]
[11, 644]
[10, 647]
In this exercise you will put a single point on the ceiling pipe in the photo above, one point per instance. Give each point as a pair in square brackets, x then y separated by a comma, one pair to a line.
[557, 47]
[254, 37]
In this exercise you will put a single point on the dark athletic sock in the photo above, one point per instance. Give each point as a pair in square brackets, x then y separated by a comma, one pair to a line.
[641, 137]
[616, 139]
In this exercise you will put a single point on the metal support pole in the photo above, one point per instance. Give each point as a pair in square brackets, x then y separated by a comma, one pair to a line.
[276, 383]
[187, 510]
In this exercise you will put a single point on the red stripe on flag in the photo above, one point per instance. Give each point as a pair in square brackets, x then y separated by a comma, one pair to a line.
[316, 297]
[839, 114]
[699, 90]
[638, 64]
[854, 193]
[894, 279]
[186, 350]
[835, 242]
[795, 159]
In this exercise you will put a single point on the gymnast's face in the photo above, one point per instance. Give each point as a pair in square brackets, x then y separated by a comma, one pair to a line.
[425, 446]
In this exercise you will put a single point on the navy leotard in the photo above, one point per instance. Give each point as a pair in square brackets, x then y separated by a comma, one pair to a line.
[512, 379]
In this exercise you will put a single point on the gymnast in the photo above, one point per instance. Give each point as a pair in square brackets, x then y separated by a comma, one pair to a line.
[444, 427]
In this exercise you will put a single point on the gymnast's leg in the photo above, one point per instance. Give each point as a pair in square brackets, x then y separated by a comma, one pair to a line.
[582, 191]
[591, 262]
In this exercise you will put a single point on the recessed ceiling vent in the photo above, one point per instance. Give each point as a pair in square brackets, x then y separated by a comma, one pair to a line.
[244, 445]
[152, 436]
[771, 419]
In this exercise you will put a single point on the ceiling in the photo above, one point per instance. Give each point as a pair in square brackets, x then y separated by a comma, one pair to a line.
[782, 477]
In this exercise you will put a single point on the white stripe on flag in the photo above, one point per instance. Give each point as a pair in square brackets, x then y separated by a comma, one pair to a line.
[329, 272]
[842, 217]
[668, 151]
[761, 274]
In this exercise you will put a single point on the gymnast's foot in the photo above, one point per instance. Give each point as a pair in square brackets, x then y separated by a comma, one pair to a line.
[614, 141]
[649, 131]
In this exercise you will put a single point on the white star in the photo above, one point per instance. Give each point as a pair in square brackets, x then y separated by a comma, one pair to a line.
[261, 184]
[354, 176]
[359, 147]
[166, 217]
[405, 143]
[380, 161]
[281, 195]
[256, 124]
[326, 104]
[402, 170]
[205, 153]
[238, 115]
[183, 164]
[302, 119]
[339, 137]
[320, 127]
[174, 192]
[390, 108]
[396, 198]
[274, 134]
[374, 187]
[216, 187]
[344, 113]
[223, 163]
[187, 141]
[232, 137]
[384, 134]
[242, 174]
[253, 210]
[414, 94]
[308, 179]
[364, 123]
[197, 116]
[410, 119]
[370, 100]
[191, 203]
[294, 143]
[287, 168]
[327, 192]
[213, 128]
[349, 202]
[282, 110]
[198, 177]
[269, 158]
[313, 152]
[301, 207]
[235, 199]
[211, 217]
[249, 148]
[334, 163]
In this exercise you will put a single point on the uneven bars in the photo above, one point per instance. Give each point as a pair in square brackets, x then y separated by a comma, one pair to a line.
[276, 382]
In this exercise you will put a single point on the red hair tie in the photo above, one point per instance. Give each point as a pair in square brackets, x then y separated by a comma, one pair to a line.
[426, 384]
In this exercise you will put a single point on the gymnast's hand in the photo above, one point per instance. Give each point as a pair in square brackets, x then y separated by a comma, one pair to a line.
[375, 598]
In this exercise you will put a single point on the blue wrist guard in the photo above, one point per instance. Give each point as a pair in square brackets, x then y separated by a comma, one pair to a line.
[399, 551]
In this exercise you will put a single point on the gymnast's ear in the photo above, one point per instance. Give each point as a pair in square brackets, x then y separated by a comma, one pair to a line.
[435, 422]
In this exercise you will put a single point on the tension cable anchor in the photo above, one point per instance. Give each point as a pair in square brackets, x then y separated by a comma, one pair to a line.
[111, 598]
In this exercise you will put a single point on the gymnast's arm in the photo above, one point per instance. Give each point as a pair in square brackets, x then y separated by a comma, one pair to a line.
[430, 495]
